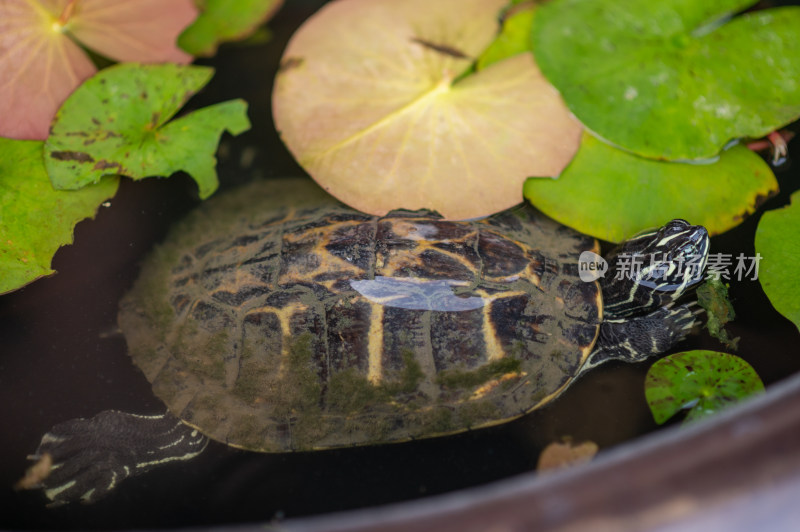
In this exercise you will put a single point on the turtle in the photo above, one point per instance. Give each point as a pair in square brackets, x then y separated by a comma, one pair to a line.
[276, 319]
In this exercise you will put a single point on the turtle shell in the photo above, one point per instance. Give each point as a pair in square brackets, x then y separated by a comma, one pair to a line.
[275, 318]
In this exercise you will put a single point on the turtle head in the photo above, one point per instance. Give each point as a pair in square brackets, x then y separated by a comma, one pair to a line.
[654, 268]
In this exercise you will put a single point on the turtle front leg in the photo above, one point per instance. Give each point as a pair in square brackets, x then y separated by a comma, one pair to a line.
[84, 459]
[638, 338]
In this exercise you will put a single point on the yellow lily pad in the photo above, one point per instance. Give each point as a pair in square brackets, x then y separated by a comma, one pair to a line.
[371, 101]
[612, 194]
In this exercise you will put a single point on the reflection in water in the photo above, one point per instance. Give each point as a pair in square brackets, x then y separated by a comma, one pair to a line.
[416, 294]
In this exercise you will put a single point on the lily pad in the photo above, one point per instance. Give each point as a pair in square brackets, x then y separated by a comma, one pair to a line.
[700, 382]
[41, 60]
[126, 130]
[778, 243]
[672, 79]
[36, 219]
[225, 20]
[514, 38]
[612, 194]
[366, 100]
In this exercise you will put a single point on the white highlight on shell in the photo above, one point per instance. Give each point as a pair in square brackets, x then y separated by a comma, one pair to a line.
[417, 294]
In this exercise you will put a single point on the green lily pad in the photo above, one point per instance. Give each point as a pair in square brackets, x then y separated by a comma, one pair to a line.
[612, 194]
[778, 243]
[117, 123]
[701, 382]
[225, 20]
[514, 38]
[672, 79]
[35, 218]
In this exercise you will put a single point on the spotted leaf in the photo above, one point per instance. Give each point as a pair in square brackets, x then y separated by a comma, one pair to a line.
[126, 130]
[700, 382]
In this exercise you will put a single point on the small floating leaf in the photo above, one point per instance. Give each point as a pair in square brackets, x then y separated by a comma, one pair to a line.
[712, 295]
[701, 382]
[672, 79]
[117, 123]
[371, 101]
[41, 60]
[778, 243]
[612, 194]
[35, 219]
[561, 455]
[225, 20]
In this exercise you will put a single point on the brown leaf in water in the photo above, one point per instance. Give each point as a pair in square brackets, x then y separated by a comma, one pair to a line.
[564, 454]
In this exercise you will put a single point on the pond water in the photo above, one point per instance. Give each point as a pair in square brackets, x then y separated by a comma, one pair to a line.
[61, 358]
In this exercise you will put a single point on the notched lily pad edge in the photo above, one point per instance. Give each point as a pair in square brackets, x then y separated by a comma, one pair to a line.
[48, 270]
[73, 167]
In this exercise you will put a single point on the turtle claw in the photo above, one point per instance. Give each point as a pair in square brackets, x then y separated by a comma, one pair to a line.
[637, 339]
[84, 459]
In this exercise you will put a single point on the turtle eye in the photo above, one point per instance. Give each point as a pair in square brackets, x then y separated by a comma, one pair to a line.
[677, 224]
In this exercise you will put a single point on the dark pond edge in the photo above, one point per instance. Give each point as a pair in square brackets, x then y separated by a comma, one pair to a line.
[737, 471]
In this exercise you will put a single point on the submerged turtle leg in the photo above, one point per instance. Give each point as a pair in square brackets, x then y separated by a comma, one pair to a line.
[639, 338]
[84, 459]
